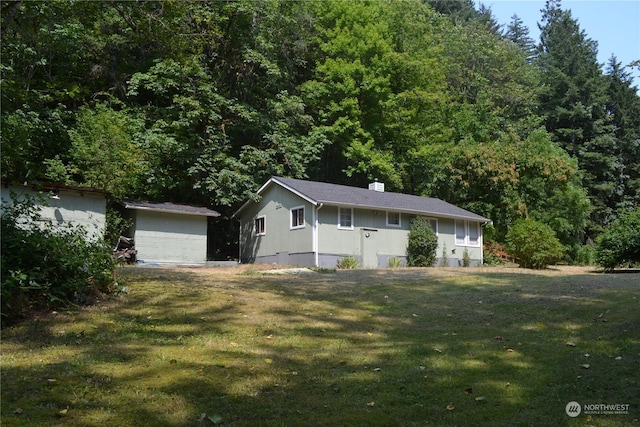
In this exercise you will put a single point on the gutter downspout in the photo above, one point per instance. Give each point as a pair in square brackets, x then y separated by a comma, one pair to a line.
[315, 235]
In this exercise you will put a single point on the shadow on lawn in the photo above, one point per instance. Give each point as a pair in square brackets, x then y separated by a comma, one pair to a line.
[355, 348]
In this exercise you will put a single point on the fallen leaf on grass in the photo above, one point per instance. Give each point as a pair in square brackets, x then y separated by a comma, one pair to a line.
[586, 366]
[570, 344]
[468, 390]
[510, 350]
[619, 358]
[63, 412]
[371, 404]
[480, 398]
[451, 406]
[268, 361]
[18, 411]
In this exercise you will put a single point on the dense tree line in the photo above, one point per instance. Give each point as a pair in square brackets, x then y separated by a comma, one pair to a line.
[200, 102]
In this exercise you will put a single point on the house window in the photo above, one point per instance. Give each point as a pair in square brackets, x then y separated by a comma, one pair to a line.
[434, 225]
[461, 232]
[474, 233]
[393, 219]
[467, 233]
[259, 226]
[345, 218]
[297, 217]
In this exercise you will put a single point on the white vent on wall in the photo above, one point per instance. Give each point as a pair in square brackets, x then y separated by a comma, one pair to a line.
[377, 186]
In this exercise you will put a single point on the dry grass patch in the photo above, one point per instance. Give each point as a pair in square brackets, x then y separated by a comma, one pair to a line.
[385, 347]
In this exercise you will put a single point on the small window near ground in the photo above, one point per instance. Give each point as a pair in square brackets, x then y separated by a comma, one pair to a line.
[297, 217]
[259, 226]
[345, 218]
[393, 219]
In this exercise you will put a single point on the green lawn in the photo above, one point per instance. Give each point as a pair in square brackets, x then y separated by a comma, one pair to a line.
[438, 347]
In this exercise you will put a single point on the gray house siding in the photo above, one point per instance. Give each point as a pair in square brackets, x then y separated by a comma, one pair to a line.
[167, 233]
[66, 207]
[371, 241]
[454, 251]
[280, 243]
[373, 233]
[166, 238]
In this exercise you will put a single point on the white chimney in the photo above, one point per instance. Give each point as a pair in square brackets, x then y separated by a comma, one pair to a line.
[377, 186]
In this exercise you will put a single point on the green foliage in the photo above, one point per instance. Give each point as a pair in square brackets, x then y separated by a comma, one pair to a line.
[494, 253]
[585, 255]
[620, 242]
[466, 259]
[103, 154]
[46, 267]
[395, 262]
[511, 178]
[348, 263]
[444, 258]
[422, 244]
[533, 244]
[200, 102]
[115, 227]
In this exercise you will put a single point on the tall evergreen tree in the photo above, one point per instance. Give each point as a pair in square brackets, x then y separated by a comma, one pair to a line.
[623, 106]
[573, 104]
[459, 11]
[518, 33]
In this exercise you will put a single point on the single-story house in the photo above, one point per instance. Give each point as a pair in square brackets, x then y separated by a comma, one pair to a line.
[307, 223]
[64, 205]
[168, 233]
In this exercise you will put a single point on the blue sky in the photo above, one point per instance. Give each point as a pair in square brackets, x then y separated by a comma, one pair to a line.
[614, 24]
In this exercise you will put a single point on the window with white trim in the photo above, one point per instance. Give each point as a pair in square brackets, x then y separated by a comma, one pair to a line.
[467, 233]
[474, 233]
[297, 217]
[393, 219]
[345, 218]
[434, 225]
[259, 226]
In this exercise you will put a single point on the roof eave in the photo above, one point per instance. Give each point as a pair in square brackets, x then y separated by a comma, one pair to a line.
[408, 211]
[275, 180]
[173, 211]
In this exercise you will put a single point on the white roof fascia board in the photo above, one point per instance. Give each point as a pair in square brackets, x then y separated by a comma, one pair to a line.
[407, 211]
[173, 211]
[273, 180]
[294, 191]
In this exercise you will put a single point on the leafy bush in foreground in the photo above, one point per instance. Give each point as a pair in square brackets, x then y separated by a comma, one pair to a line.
[533, 244]
[620, 243]
[422, 245]
[48, 267]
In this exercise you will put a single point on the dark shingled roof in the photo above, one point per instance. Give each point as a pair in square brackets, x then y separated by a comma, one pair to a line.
[343, 195]
[170, 207]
